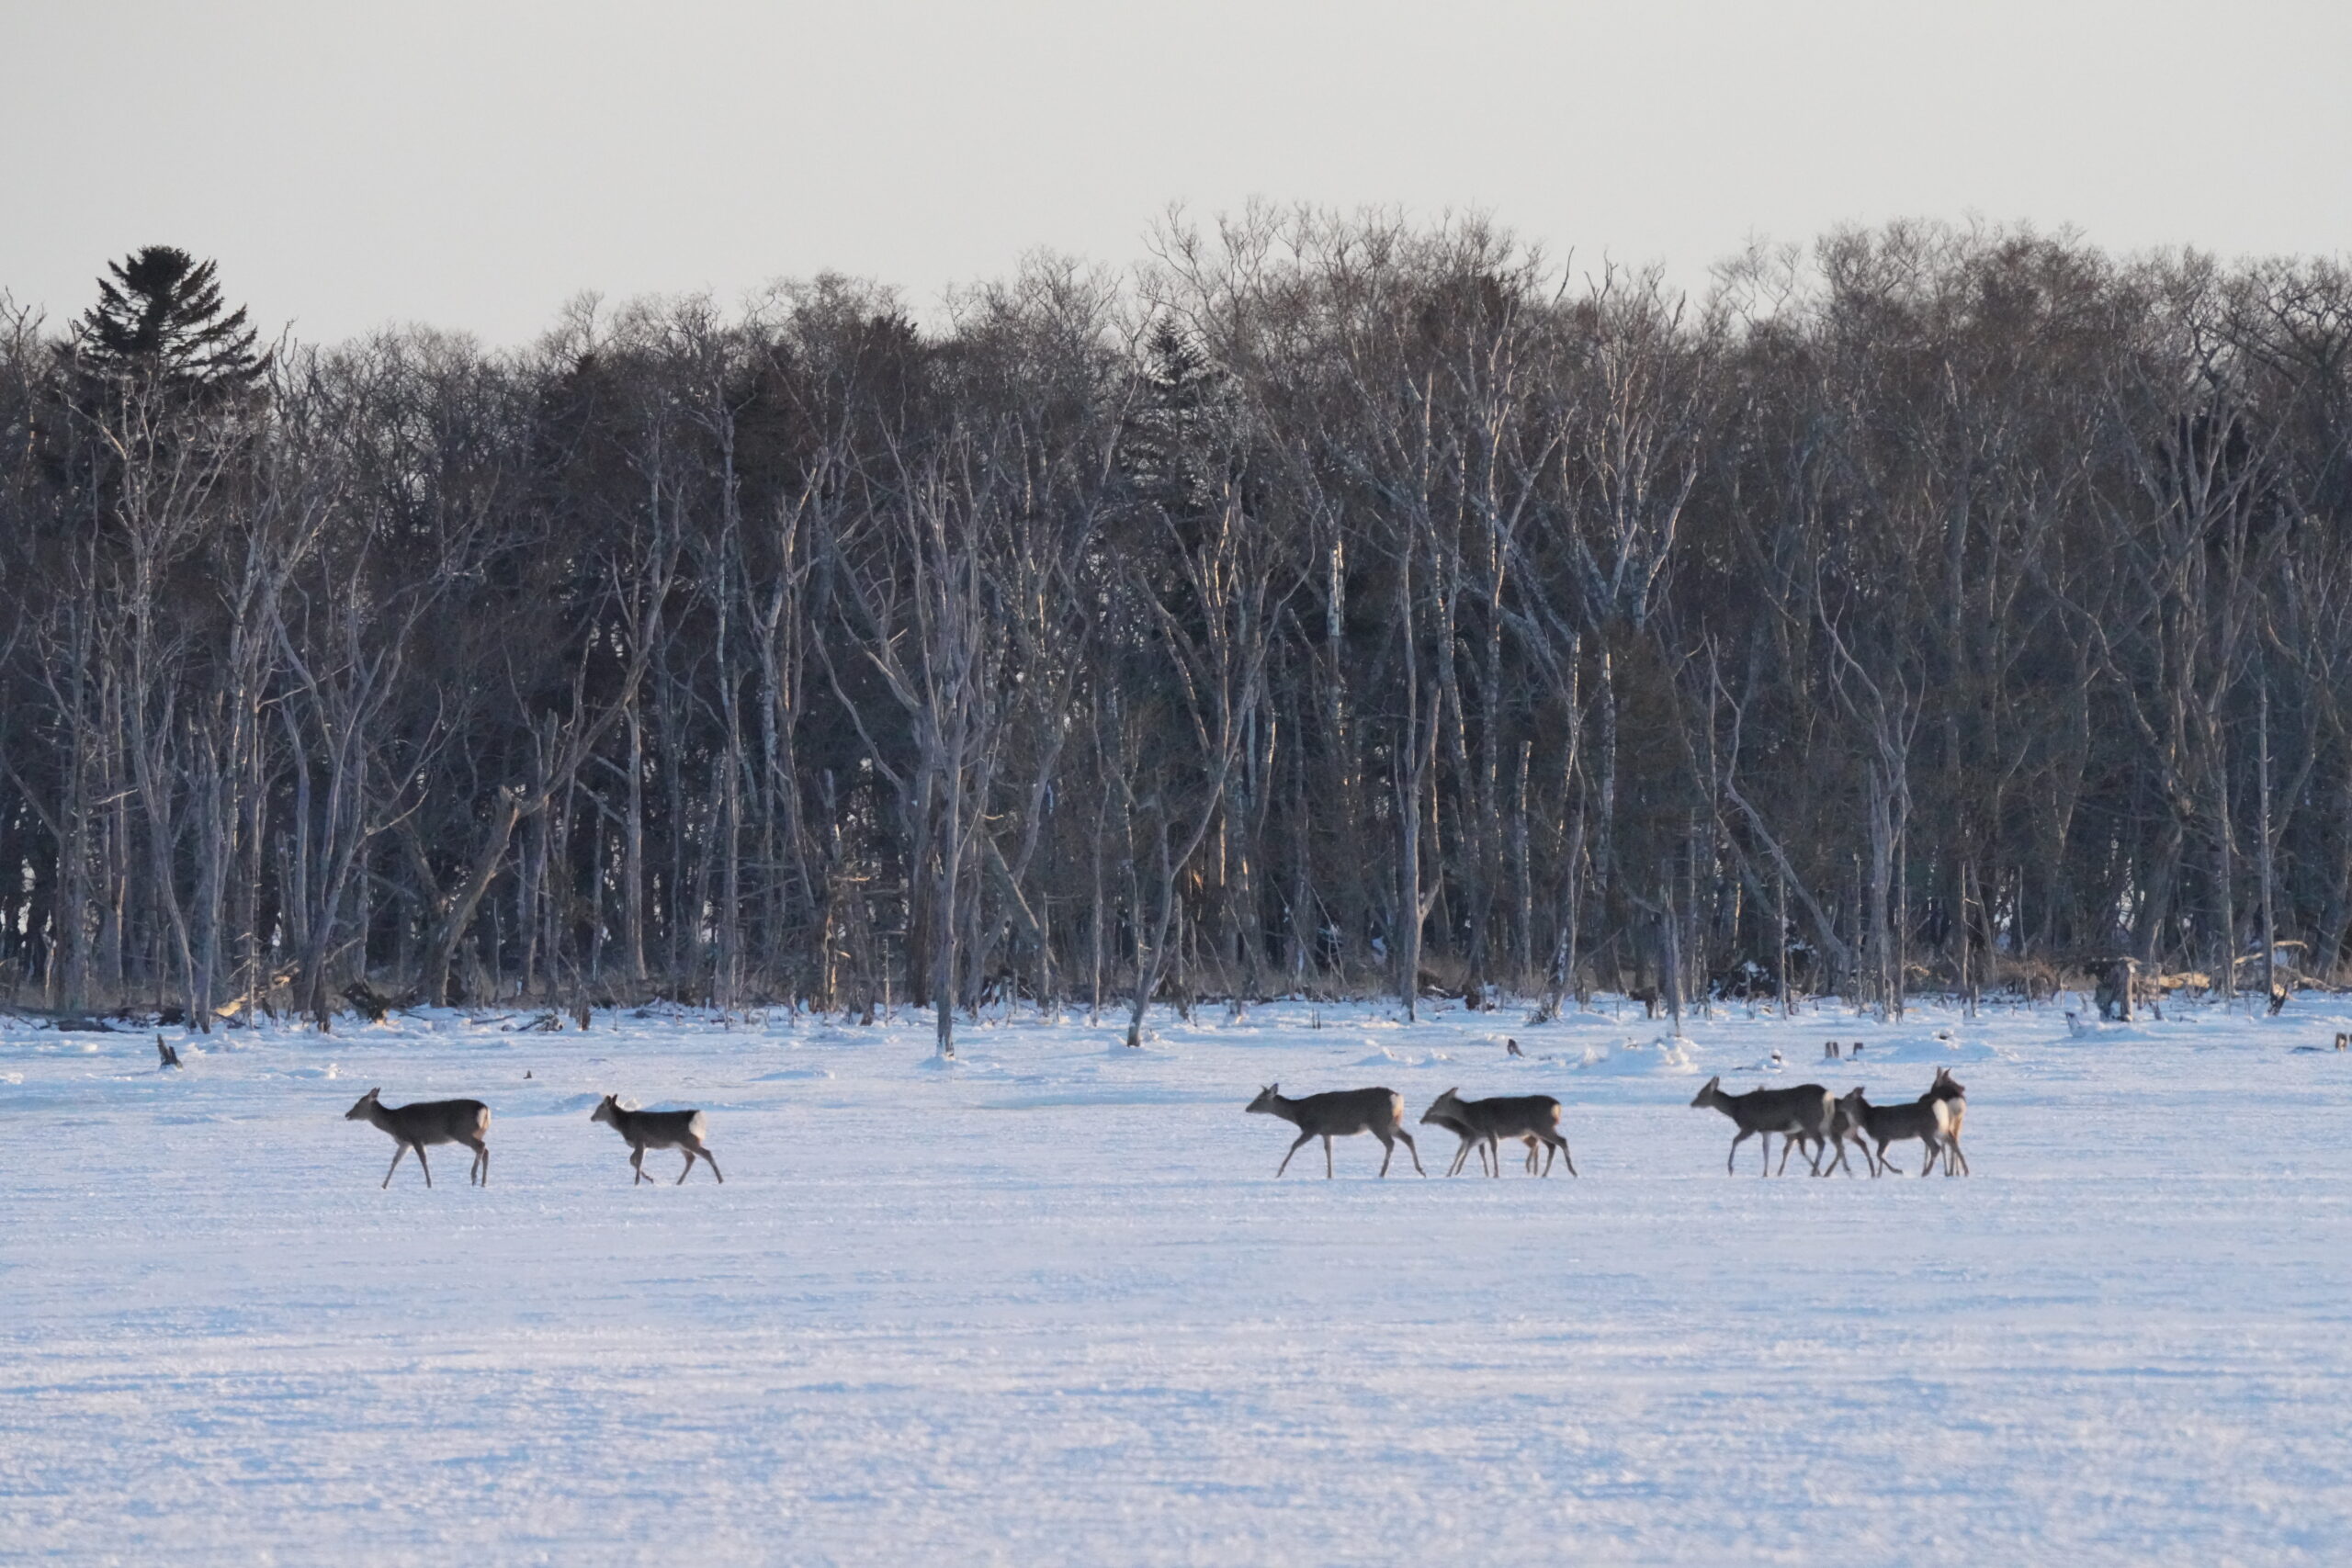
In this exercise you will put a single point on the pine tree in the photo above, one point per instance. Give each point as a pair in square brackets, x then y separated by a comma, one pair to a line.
[1171, 442]
[158, 323]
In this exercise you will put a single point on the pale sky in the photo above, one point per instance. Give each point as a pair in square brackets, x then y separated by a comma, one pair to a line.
[474, 164]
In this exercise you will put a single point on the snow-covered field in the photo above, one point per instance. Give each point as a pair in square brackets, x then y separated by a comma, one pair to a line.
[1049, 1306]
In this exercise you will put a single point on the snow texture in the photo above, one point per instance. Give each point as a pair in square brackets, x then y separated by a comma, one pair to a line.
[1048, 1305]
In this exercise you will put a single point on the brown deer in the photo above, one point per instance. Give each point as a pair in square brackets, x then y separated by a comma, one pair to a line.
[1534, 1117]
[1471, 1140]
[1954, 1095]
[413, 1126]
[1843, 1129]
[1803, 1112]
[1340, 1114]
[1927, 1119]
[680, 1129]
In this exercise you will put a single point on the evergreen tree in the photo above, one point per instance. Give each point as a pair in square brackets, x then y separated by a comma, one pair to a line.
[1172, 440]
[159, 323]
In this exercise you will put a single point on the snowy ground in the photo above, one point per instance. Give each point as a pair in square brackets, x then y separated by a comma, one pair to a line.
[1050, 1307]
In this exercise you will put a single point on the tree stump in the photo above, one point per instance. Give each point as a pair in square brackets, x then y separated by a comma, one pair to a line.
[2115, 987]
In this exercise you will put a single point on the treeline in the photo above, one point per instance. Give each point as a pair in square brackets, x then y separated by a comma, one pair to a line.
[1331, 606]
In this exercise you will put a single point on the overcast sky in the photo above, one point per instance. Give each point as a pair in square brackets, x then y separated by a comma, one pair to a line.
[474, 164]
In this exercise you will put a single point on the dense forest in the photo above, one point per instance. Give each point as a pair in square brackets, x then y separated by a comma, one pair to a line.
[1328, 606]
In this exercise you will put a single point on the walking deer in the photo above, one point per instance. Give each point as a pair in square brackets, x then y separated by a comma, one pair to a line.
[1471, 1140]
[1954, 1095]
[1803, 1112]
[1843, 1129]
[413, 1126]
[680, 1129]
[1340, 1114]
[1534, 1117]
[1928, 1120]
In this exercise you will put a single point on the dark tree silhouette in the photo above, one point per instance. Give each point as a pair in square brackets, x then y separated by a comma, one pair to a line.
[159, 320]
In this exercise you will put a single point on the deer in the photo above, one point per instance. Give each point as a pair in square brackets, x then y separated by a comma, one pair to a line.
[1928, 1120]
[1532, 1117]
[1341, 1114]
[1471, 1140]
[1804, 1113]
[413, 1126]
[680, 1129]
[1954, 1095]
[1842, 1128]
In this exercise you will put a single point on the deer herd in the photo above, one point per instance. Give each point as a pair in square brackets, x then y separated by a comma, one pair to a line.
[467, 1122]
[1807, 1115]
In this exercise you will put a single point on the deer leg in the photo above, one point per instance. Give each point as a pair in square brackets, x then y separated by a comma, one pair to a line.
[398, 1150]
[425, 1163]
[714, 1166]
[1951, 1153]
[689, 1167]
[1787, 1143]
[1884, 1163]
[1414, 1150]
[637, 1163]
[1567, 1158]
[1303, 1138]
[1738, 1139]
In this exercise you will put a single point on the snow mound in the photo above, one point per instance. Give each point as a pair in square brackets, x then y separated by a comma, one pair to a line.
[1935, 1048]
[1388, 1055]
[790, 1073]
[1631, 1058]
[962, 1066]
[2092, 1029]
